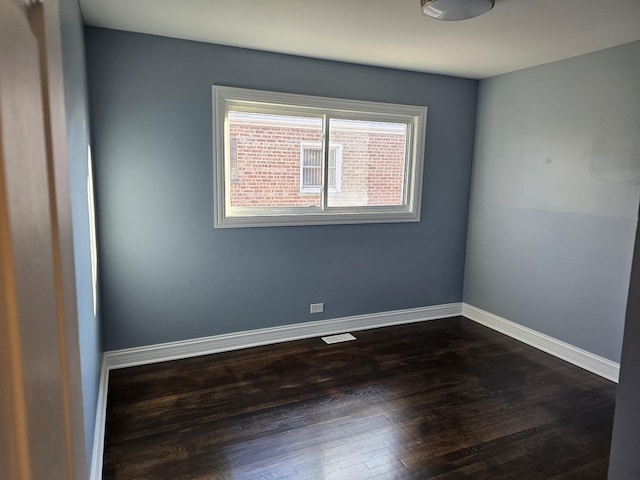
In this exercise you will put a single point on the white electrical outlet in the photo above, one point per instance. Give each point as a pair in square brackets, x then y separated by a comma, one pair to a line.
[316, 308]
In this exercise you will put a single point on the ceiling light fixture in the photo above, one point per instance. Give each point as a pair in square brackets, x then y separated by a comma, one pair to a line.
[452, 10]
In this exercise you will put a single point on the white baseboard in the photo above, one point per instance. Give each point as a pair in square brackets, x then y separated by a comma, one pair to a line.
[234, 341]
[265, 336]
[581, 358]
[101, 414]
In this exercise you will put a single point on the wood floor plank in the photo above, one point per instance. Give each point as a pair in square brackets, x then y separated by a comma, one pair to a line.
[446, 399]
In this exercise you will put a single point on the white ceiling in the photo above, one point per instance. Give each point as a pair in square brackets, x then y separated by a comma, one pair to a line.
[392, 33]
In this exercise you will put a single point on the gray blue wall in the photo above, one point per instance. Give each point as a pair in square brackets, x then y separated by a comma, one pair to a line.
[75, 91]
[554, 197]
[167, 275]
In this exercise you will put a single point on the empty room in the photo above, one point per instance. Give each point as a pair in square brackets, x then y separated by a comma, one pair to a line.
[390, 239]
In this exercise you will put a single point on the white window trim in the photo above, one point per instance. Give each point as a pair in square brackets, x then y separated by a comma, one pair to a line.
[316, 190]
[255, 100]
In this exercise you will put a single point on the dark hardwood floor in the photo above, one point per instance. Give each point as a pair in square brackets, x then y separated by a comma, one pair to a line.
[445, 399]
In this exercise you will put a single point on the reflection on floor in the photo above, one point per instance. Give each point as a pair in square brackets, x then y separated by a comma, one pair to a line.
[443, 399]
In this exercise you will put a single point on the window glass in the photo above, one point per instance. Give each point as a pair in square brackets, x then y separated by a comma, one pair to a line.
[267, 159]
[373, 163]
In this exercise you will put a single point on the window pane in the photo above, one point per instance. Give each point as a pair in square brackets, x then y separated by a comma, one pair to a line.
[312, 157]
[332, 157]
[373, 163]
[267, 151]
[332, 177]
[311, 168]
[312, 177]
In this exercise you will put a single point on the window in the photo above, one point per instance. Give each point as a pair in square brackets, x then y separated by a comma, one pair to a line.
[311, 168]
[285, 159]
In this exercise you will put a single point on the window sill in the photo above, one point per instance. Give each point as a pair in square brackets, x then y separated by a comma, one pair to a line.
[246, 221]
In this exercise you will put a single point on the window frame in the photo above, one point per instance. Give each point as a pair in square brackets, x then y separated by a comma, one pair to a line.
[260, 101]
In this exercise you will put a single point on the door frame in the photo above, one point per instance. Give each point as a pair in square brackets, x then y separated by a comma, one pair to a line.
[42, 434]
